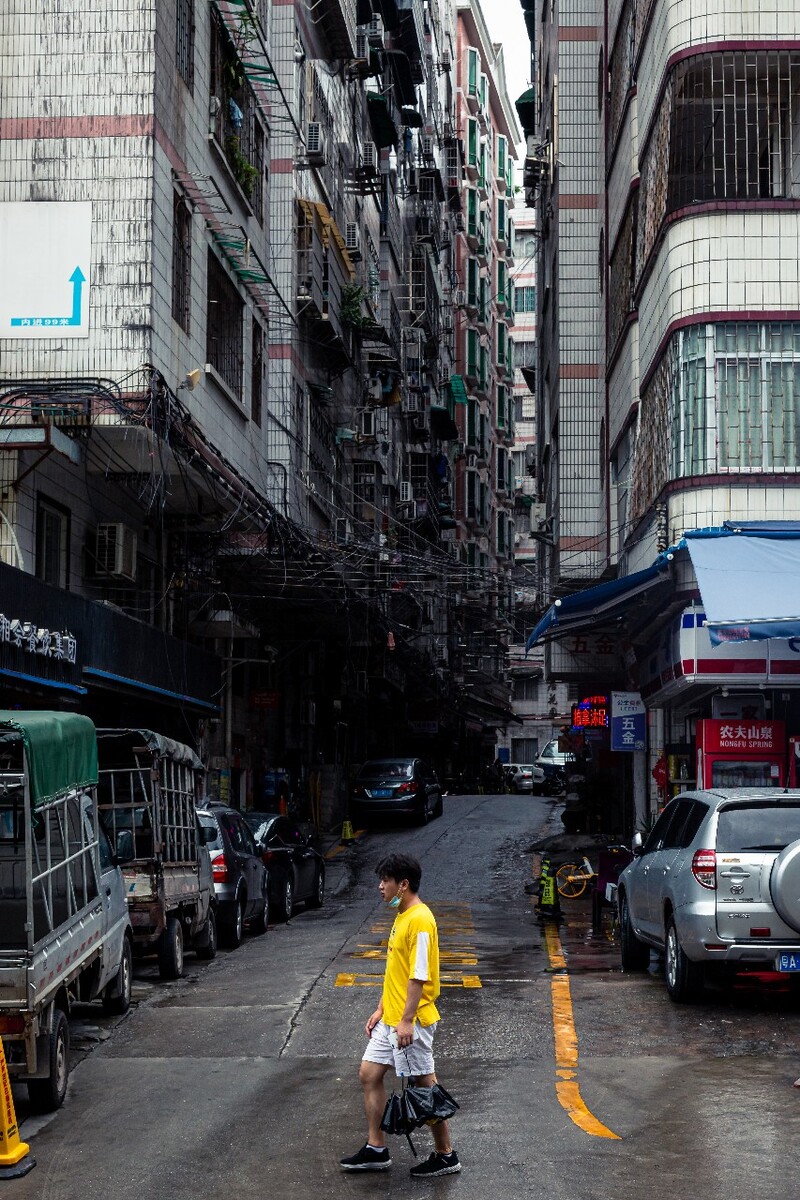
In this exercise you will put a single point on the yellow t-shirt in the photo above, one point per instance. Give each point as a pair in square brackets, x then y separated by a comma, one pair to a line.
[413, 954]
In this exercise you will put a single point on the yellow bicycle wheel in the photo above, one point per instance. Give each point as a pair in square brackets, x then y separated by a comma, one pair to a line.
[571, 880]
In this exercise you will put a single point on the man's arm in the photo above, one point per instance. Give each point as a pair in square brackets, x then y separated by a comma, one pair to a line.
[373, 1020]
[405, 1026]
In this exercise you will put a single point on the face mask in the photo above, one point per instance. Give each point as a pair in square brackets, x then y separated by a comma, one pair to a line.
[395, 901]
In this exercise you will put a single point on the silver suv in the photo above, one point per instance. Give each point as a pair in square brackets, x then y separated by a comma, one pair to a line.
[716, 882]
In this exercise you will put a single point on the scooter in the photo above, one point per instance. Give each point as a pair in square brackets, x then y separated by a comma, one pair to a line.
[554, 784]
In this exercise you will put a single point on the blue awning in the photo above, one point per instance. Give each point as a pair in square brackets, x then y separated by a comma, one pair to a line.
[601, 601]
[749, 580]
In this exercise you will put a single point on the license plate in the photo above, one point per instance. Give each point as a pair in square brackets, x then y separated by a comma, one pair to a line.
[788, 962]
[382, 793]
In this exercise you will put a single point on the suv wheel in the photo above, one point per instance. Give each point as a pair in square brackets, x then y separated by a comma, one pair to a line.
[635, 955]
[684, 978]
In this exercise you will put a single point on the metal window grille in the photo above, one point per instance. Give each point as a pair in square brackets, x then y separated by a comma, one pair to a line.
[224, 326]
[257, 373]
[181, 261]
[184, 41]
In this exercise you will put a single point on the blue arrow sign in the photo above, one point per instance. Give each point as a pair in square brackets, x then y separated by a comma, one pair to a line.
[77, 279]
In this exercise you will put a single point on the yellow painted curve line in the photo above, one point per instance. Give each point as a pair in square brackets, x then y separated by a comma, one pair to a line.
[566, 1039]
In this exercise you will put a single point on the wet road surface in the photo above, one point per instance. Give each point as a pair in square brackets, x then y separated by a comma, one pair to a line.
[240, 1079]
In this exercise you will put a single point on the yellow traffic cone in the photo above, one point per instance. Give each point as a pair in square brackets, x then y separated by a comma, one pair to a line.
[15, 1156]
[347, 832]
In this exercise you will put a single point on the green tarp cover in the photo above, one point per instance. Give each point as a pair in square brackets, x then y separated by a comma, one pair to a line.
[60, 748]
[457, 389]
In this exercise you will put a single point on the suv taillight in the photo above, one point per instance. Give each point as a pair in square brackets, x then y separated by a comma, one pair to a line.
[704, 868]
[219, 869]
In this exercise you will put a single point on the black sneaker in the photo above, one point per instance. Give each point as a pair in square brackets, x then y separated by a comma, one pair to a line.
[367, 1159]
[437, 1164]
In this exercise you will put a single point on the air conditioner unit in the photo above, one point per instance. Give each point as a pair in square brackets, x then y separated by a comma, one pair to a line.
[352, 236]
[472, 460]
[315, 142]
[362, 45]
[406, 493]
[375, 32]
[459, 449]
[370, 157]
[410, 403]
[459, 297]
[427, 147]
[115, 550]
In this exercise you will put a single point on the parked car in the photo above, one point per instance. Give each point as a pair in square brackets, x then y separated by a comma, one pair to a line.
[65, 929]
[523, 777]
[386, 787]
[716, 883]
[296, 868]
[241, 881]
[551, 759]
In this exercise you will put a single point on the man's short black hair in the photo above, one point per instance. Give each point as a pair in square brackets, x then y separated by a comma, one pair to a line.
[399, 867]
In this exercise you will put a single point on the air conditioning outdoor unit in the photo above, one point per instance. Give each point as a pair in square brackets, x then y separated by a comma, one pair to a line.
[427, 147]
[406, 493]
[362, 45]
[352, 236]
[369, 156]
[375, 31]
[115, 550]
[472, 460]
[459, 449]
[315, 142]
[459, 297]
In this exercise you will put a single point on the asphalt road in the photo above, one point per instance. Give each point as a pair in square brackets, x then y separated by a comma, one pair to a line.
[241, 1079]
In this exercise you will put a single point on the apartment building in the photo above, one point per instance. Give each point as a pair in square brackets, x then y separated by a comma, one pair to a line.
[228, 339]
[699, 268]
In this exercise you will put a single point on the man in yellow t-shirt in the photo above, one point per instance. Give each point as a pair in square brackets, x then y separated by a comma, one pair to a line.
[401, 1029]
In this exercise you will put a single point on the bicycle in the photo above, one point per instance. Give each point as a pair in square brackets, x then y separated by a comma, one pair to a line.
[571, 878]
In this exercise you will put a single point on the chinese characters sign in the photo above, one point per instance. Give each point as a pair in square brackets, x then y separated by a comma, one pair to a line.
[742, 736]
[591, 713]
[33, 639]
[628, 721]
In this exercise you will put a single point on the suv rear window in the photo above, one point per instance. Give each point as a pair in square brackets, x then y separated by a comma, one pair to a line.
[760, 826]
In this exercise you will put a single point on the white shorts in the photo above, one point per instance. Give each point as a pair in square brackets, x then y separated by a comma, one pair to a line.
[416, 1059]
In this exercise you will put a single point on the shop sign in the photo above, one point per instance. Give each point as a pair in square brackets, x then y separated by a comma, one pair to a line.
[591, 713]
[743, 736]
[628, 721]
[265, 699]
[425, 727]
[33, 639]
[582, 654]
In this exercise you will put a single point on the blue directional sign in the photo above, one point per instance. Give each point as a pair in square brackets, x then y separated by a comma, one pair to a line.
[77, 279]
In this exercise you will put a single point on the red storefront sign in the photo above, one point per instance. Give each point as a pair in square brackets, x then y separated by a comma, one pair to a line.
[743, 736]
[265, 699]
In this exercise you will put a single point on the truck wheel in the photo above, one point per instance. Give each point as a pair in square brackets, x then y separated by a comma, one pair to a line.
[170, 950]
[117, 996]
[46, 1095]
[208, 949]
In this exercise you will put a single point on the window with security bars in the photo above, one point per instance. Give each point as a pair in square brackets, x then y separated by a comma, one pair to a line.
[525, 299]
[184, 41]
[728, 129]
[181, 261]
[256, 373]
[224, 326]
[725, 398]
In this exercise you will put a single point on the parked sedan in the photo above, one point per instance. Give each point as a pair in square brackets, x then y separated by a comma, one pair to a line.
[386, 787]
[523, 777]
[241, 880]
[296, 869]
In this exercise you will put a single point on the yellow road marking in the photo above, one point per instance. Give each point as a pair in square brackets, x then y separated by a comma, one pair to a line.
[351, 979]
[566, 1039]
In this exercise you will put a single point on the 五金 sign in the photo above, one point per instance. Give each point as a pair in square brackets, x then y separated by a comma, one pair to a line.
[628, 721]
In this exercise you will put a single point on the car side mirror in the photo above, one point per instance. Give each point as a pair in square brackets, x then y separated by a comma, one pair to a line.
[207, 835]
[636, 844]
[124, 848]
